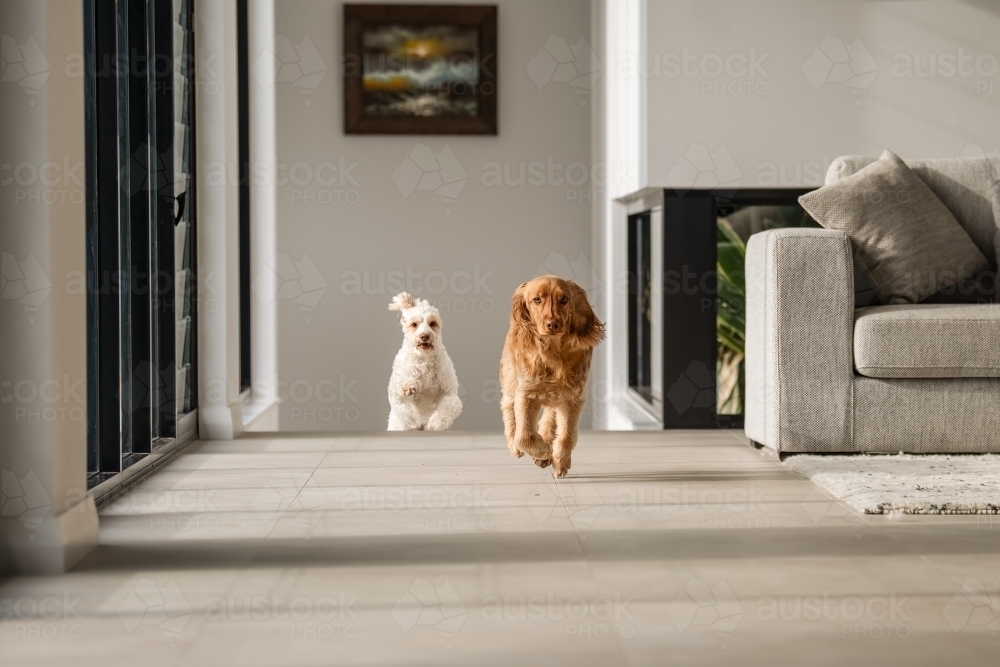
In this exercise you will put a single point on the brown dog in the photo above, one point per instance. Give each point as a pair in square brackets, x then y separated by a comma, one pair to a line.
[545, 364]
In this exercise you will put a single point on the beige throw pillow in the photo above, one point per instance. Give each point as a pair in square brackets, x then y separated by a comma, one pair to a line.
[899, 230]
[996, 218]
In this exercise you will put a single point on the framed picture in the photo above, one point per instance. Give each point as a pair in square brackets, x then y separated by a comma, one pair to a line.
[420, 69]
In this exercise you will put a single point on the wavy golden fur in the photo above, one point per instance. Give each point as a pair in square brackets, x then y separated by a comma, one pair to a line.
[545, 364]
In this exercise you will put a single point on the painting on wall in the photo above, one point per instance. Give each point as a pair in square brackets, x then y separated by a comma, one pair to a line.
[420, 69]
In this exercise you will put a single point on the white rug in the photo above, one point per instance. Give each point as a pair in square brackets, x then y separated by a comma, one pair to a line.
[907, 483]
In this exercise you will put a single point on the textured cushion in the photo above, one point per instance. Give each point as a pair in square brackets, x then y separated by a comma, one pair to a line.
[909, 241]
[964, 185]
[996, 217]
[927, 341]
[957, 416]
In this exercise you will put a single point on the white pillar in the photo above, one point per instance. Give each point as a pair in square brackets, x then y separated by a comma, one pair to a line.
[48, 521]
[619, 119]
[263, 225]
[216, 146]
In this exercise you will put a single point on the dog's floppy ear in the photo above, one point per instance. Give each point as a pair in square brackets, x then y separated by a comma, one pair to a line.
[519, 316]
[584, 325]
[401, 301]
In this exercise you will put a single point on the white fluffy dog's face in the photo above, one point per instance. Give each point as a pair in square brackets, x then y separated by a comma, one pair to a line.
[421, 327]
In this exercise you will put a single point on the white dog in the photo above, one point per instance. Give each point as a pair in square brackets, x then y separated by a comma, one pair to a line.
[423, 388]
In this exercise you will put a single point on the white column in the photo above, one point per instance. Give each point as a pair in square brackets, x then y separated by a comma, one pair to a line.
[48, 520]
[619, 120]
[263, 226]
[216, 145]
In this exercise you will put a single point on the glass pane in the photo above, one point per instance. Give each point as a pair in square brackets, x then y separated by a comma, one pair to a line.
[640, 292]
[183, 202]
[735, 225]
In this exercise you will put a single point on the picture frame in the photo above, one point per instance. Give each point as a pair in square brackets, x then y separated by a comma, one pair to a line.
[420, 69]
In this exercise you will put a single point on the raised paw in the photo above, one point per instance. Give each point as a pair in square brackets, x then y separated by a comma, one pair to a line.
[409, 390]
[560, 466]
[543, 463]
[435, 423]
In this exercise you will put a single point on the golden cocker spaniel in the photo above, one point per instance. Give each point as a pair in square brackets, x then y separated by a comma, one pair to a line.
[545, 364]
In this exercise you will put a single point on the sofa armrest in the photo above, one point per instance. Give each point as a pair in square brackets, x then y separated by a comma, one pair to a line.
[799, 340]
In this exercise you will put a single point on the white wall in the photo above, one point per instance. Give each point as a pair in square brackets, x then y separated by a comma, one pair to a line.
[335, 353]
[781, 122]
[48, 519]
[787, 117]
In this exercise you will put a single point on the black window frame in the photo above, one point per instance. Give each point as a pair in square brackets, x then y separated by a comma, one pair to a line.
[132, 214]
[243, 96]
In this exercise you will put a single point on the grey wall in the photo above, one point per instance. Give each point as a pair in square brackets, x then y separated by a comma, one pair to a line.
[928, 84]
[338, 226]
[48, 519]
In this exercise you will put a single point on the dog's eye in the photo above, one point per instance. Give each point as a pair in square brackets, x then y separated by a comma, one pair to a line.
[537, 299]
[435, 324]
[413, 325]
[564, 300]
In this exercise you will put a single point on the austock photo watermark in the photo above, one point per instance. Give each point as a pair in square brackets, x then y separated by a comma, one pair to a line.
[47, 182]
[284, 61]
[433, 605]
[443, 174]
[49, 400]
[975, 607]
[714, 508]
[712, 607]
[557, 62]
[46, 617]
[465, 290]
[978, 70]
[285, 279]
[583, 183]
[23, 497]
[330, 399]
[328, 182]
[25, 63]
[735, 73]
[731, 74]
[328, 616]
[158, 607]
[172, 510]
[860, 618]
[581, 617]
[449, 508]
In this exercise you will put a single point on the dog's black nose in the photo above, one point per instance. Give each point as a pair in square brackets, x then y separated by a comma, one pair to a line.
[424, 338]
[552, 325]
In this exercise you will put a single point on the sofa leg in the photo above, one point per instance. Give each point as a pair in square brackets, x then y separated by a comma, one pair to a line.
[769, 453]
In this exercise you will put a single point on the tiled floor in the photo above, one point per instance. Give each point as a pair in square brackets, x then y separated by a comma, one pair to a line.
[659, 548]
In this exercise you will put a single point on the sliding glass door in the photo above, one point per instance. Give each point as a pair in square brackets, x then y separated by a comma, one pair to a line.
[140, 229]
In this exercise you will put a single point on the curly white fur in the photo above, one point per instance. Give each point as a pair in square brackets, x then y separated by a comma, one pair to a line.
[423, 387]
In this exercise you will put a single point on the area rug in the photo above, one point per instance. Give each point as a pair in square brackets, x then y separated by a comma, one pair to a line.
[907, 483]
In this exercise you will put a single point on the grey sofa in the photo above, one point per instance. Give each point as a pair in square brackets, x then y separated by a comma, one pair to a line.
[824, 376]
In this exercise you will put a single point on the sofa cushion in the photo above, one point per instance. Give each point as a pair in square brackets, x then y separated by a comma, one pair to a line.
[963, 184]
[927, 341]
[899, 229]
[996, 216]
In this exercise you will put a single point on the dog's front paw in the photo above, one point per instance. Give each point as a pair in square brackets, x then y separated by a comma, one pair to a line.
[514, 451]
[436, 423]
[543, 463]
[410, 390]
[560, 466]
